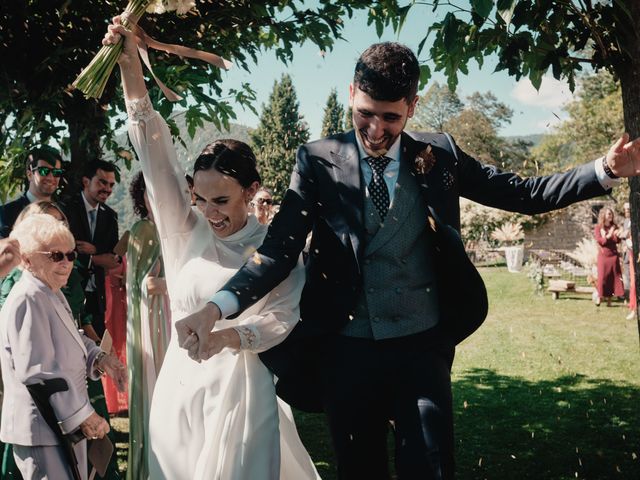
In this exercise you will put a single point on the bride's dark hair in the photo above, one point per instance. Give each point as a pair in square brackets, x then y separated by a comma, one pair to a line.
[230, 157]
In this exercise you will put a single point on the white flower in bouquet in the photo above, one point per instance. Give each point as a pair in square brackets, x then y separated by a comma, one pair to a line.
[181, 7]
[156, 6]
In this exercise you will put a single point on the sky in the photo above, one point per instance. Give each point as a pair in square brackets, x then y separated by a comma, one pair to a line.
[314, 75]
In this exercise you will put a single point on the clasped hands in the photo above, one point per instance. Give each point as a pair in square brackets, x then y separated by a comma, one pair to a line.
[196, 336]
[94, 427]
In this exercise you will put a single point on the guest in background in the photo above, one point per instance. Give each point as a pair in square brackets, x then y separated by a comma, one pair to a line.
[43, 172]
[39, 341]
[95, 228]
[9, 255]
[628, 268]
[148, 325]
[115, 319]
[607, 235]
[262, 205]
[73, 291]
[625, 236]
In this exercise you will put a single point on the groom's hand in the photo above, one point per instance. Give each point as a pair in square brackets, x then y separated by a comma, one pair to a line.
[195, 327]
[624, 157]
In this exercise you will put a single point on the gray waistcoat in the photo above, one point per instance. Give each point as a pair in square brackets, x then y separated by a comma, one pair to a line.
[399, 295]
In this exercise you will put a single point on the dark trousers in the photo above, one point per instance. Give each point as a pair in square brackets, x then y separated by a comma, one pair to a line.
[407, 380]
[92, 306]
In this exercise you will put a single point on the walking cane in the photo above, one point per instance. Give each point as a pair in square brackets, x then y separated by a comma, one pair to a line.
[40, 393]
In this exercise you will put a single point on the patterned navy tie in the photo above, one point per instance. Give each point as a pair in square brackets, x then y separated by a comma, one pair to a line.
[378, 187]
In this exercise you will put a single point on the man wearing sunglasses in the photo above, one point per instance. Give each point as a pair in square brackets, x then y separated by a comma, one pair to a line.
[44, 171]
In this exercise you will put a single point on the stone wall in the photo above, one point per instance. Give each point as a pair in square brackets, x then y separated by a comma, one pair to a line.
[568, 226]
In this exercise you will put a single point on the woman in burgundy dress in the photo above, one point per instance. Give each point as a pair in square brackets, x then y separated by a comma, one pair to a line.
[609, 271]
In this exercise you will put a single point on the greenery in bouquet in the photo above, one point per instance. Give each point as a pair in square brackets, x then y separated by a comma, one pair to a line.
[94, 77]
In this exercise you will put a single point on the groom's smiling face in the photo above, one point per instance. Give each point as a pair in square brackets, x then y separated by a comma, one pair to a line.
[378, 122]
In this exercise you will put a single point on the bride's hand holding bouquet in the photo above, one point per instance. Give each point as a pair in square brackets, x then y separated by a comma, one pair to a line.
[129, 61]
[94, 77]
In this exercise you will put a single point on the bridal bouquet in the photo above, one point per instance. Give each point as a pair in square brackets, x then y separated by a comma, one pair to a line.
[94, 77]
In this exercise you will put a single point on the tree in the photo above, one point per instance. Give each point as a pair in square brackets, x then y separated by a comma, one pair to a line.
[595, 117]
[45, 44]
[475, 126]
[348, 119]
[333, 113]
[436, 107]
[280, 132]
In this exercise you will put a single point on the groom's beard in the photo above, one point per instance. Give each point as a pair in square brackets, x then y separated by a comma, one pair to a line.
[372, 153]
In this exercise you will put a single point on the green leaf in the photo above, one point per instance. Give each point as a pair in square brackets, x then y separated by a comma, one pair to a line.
[505, 9]
[421, 44]
[449, 32]
[536, 78]
[482, 7]
[425, 76]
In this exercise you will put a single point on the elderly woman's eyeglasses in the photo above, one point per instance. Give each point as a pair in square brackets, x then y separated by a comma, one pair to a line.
[263, 201]
[58, 256]
[44, 171]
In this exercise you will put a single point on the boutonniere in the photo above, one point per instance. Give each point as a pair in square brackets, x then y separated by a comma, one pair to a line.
[425, 160]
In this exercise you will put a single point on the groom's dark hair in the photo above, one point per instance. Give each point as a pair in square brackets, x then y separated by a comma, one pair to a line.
[230, 157]
[388, 71]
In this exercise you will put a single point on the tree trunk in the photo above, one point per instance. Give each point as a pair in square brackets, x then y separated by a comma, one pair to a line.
[629, 74]
[87, 122]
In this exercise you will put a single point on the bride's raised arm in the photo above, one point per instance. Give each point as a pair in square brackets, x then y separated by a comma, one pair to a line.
[165, 181]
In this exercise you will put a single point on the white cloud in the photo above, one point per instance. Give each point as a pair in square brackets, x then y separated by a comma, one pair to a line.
[552, 94]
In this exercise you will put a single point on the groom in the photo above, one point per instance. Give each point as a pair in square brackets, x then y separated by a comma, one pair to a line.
[389, 289]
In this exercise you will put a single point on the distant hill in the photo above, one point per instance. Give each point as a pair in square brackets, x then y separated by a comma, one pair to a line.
[120, 200]
[536, 138]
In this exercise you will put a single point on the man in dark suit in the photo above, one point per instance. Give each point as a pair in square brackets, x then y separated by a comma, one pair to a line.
[389, 289]
[44, 170]
[95, 227]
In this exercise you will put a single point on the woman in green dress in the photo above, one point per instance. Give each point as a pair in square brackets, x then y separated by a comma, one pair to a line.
[148, 326]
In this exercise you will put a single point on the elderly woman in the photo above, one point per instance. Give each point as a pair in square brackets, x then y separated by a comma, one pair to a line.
[39, 341]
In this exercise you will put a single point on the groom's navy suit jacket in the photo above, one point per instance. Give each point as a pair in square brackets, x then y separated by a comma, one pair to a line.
[326, 197]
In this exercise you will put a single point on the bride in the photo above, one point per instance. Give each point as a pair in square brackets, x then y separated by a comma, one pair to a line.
[218, 419]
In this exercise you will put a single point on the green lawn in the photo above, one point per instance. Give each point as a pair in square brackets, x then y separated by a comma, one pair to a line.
[544, 390]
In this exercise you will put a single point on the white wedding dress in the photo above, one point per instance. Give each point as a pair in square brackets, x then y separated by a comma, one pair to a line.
[218, 419]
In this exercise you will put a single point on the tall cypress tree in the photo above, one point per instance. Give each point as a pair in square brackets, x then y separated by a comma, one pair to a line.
[348, 119]
[279, 134]
[333, 113]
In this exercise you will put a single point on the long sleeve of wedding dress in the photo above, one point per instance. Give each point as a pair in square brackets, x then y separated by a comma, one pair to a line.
[178, 224]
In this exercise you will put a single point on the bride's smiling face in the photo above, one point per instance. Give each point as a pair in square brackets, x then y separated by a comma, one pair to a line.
[222, 200]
